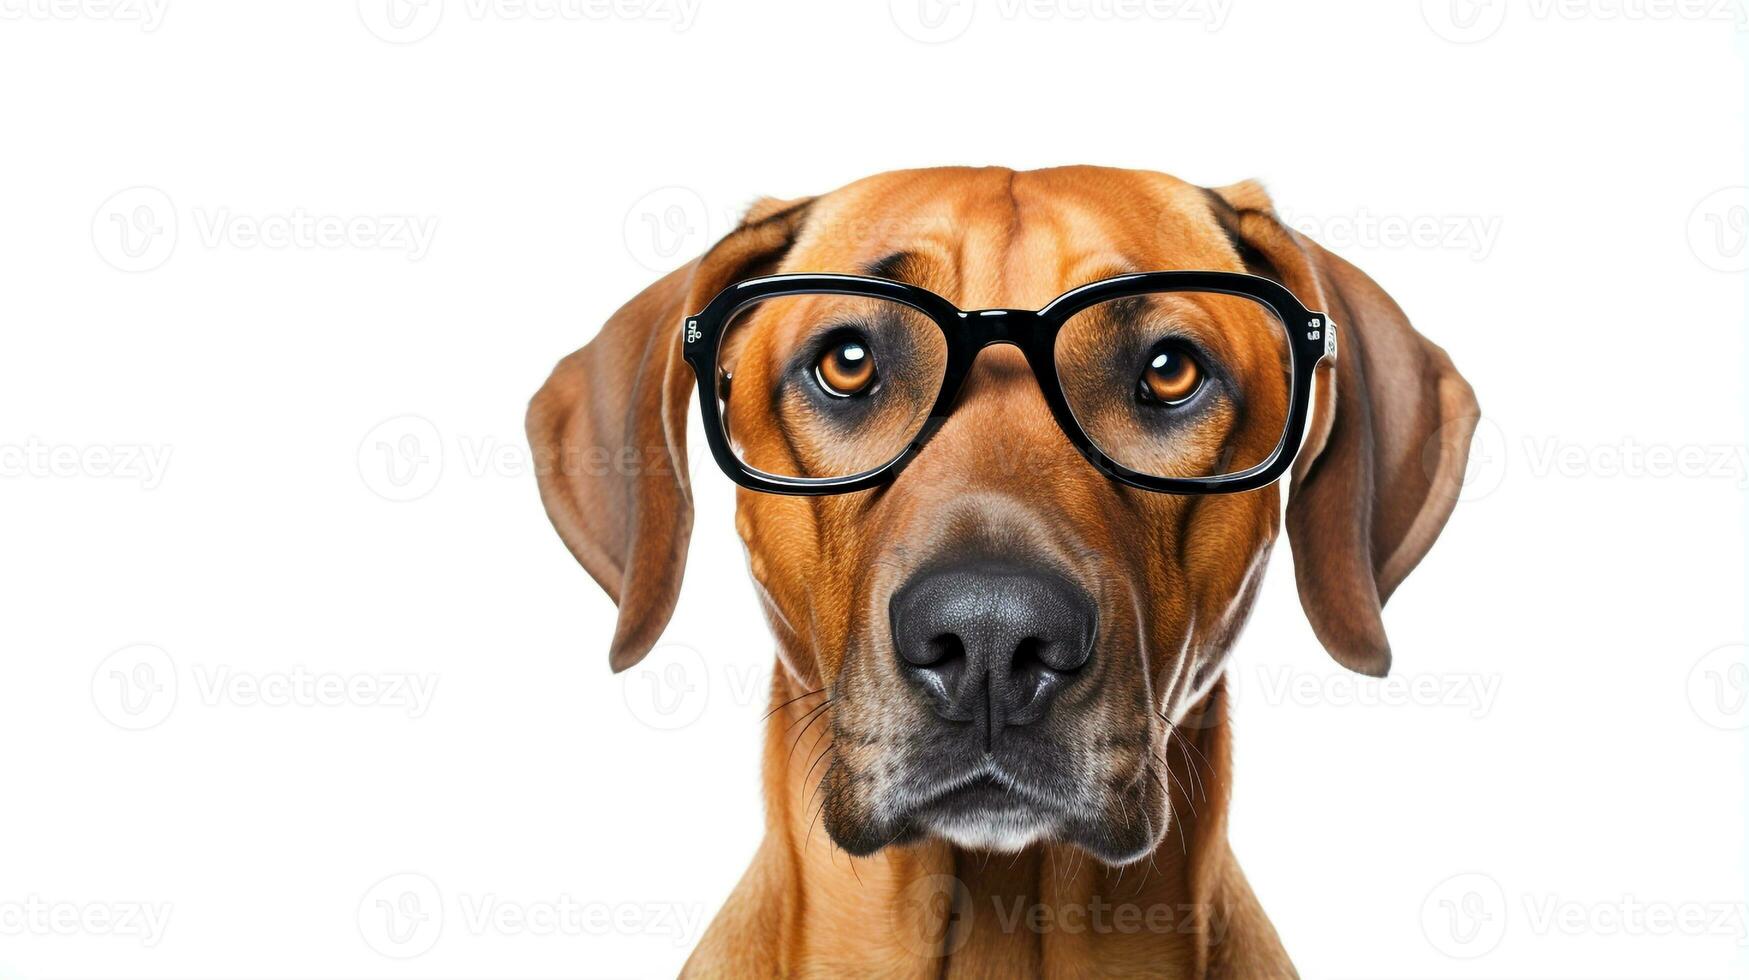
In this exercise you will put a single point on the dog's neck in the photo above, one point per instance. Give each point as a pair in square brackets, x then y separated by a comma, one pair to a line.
[934, 909]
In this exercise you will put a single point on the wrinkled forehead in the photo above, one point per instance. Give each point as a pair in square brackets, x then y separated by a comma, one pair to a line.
[997, 238]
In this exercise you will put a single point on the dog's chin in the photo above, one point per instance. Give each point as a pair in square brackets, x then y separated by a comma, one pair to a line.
[987, 814]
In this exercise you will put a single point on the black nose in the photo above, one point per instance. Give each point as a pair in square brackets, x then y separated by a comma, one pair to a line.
[992, 644]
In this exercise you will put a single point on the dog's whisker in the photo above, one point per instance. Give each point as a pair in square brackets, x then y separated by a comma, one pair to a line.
[805, 694]
[1193, 768]
[1153, 872]
[823, 753]
[819, 707]
[1189, 747]
[1181, 848]
[809, 838]
[1189, 800]
[804, 732]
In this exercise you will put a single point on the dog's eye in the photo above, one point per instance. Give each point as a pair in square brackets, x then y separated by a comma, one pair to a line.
[1170, 377]
[846, 369]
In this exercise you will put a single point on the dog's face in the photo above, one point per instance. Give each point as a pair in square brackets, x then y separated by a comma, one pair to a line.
[1005, 635]
[1003, 631]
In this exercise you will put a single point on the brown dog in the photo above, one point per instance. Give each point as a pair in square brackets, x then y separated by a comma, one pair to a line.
[1110, 819]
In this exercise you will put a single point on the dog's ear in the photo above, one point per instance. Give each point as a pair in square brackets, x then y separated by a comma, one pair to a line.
[608, 430]
[1386, 448]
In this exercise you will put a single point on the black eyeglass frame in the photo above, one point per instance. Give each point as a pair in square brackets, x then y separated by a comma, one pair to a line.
[1311, 339]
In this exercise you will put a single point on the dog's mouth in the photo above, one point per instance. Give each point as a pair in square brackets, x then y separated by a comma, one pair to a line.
[988, 810]
[1004, 803]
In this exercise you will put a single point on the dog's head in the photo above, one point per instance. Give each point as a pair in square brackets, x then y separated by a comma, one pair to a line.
[1006, 635]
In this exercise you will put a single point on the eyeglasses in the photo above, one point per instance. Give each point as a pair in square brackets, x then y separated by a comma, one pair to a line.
[1176, 382]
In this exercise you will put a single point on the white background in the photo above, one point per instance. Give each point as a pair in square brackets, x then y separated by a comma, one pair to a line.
[1553, 191]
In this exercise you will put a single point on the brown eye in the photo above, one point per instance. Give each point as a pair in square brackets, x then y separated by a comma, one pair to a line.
[847, 369]
[1170, 377]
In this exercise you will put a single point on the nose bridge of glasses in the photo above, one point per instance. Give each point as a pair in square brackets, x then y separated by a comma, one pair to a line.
[998, 326]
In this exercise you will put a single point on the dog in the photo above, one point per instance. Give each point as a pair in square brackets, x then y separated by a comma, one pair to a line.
[1108, 812]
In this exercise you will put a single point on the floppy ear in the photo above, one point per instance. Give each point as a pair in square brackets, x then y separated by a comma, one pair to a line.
[608, 431]
[1385, 450]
